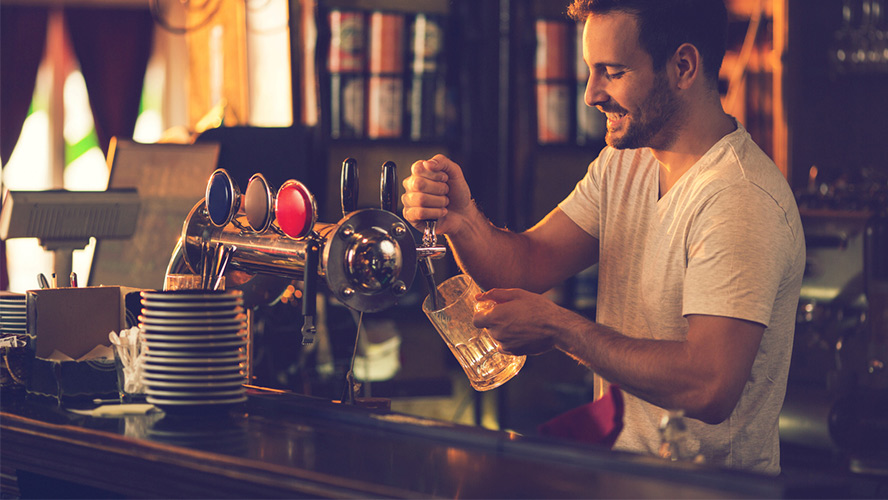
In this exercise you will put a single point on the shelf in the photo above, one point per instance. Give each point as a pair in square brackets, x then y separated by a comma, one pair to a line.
[426, 6]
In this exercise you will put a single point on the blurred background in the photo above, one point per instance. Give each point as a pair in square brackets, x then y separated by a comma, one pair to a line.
[290, 88]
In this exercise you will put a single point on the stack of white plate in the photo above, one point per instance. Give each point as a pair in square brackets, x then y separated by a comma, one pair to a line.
[13, 314]
[195, 343]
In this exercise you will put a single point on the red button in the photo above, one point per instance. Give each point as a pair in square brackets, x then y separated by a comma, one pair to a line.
[294, 209]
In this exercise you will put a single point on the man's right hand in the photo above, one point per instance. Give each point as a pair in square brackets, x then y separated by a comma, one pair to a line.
[436, 189]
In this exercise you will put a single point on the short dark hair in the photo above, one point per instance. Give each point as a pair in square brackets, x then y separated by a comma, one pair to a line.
[664, 25]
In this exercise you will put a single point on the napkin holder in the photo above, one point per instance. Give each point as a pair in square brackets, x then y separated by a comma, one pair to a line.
[75, 322]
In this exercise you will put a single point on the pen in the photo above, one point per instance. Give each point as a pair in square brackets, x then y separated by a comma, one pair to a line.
[41, 281]
[73, 279]
[55, 281]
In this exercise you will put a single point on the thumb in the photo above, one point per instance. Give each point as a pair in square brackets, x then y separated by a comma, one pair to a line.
[499, 295]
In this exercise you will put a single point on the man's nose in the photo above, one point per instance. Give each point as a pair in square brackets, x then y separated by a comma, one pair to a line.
[595, 93]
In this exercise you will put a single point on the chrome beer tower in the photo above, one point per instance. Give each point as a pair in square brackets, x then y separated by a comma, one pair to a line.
[263, 239]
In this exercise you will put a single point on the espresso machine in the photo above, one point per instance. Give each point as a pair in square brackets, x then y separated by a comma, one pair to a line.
[263, 239]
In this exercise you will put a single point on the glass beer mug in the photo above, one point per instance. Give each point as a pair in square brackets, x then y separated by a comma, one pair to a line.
[474, 348]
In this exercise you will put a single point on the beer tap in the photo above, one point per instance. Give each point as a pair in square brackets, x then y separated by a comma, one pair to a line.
[300, 200]
[348, 185]
[264, 239]
[367, 260]
[429, 240]
[309, 290]
[388, 186]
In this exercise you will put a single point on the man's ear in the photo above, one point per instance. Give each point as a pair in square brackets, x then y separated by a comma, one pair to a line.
[686, 65]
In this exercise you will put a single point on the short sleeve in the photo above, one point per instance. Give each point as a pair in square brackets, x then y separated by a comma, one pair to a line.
[583, 204]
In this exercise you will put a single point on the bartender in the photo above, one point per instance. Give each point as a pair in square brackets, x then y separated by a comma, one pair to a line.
[695, 230]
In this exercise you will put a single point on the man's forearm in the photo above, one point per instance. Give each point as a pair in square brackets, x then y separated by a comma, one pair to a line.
[494, 257]
[661, 372]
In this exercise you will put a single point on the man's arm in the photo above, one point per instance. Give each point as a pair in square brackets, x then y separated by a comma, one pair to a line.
[536, 259]
[704, 374]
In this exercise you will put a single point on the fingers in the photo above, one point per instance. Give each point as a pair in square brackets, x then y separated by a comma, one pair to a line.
[487, 302]
[444, 164]
[421, 207]
[499, 295]
[484, 305]
[425, 191]
[427, 182]
[431, 168]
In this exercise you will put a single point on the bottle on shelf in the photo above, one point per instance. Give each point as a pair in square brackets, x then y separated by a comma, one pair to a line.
[427, 97]
[385, 105]
[347, 66]
[553, 84]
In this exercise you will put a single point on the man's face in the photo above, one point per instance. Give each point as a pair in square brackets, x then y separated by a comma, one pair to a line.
[641, 107]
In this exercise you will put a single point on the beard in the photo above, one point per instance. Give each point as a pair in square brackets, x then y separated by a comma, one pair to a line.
[649, 125]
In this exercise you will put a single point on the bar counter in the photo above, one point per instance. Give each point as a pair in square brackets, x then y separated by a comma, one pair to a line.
[283, 445]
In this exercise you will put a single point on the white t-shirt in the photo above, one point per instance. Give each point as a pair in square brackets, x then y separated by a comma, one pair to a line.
[725, 240]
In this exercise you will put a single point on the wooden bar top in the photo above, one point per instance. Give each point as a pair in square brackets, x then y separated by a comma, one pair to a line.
[282, 445]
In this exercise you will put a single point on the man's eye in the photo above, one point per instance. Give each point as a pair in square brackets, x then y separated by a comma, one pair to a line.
[614, 76]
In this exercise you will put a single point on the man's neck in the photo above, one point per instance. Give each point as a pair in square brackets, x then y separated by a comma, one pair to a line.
[696, 137]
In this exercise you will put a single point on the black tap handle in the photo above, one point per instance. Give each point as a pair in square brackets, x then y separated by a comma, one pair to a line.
[309, 290]
[388, 186]
[310, 280]
[349, 185]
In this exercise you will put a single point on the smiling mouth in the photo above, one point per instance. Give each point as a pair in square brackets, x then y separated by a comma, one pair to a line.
[614, 120]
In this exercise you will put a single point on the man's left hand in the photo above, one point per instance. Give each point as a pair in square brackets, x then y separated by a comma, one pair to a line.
[523, 323]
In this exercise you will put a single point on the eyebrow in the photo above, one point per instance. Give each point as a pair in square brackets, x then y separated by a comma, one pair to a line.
[604, 65]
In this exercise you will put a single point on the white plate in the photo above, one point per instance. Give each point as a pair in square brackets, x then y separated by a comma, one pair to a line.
[173, 353]
[181, 379]
[229, 328]
[203, 370]
[192, 295]
[194, 374]
[227, 379]
[234, 374]
[218, 337]
[220, 385]
[183, 346]
[194, 320]
[159, 401]
[161, 361]
[192, 394]
[189, 355]
[227, 313]
[228, 305]
[222, 301]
